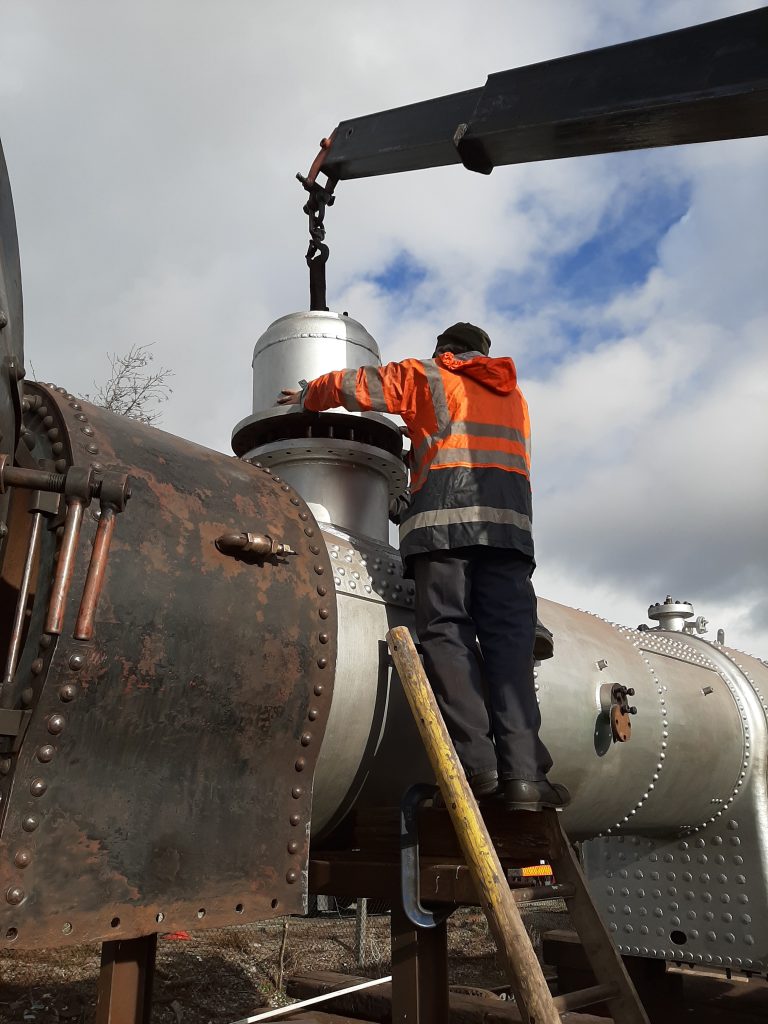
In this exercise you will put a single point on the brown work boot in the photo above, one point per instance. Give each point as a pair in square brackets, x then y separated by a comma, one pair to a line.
[527, 795]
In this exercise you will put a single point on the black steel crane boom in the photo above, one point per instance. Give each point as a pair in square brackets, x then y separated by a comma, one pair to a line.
[697, 84]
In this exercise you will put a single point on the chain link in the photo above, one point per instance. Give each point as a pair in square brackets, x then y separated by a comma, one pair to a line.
[320, 199]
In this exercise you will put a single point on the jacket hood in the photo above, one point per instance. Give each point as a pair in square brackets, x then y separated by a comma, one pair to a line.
[498, 375]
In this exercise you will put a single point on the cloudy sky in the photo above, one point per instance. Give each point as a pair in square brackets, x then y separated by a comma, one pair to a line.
[152, 148]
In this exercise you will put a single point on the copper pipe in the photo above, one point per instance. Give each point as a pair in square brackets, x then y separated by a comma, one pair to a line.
[94, 581]
[66, 564]
[21, 603]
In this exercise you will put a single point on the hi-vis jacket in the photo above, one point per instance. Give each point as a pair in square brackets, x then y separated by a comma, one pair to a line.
[469, 428]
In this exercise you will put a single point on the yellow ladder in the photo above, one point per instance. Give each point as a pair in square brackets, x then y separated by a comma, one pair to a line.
[537, 1005]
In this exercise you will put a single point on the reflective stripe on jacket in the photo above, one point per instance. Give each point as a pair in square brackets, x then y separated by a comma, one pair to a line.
[470, 431]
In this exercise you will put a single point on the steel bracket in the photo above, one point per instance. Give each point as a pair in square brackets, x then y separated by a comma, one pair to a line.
[14, 724]
[418, 915]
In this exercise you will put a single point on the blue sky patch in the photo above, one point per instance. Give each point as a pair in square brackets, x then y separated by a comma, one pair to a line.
[624, 249]
[401, 276]
[619, 255]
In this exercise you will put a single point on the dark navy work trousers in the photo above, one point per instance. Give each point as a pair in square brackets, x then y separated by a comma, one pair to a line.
[476, 620]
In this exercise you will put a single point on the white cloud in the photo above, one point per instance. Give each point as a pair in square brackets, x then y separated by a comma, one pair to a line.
[152, 150]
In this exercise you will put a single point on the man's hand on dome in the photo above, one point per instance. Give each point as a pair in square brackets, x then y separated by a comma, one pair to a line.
[289, 396]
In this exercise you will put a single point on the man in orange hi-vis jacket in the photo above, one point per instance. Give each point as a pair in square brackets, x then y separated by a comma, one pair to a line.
[466, 540]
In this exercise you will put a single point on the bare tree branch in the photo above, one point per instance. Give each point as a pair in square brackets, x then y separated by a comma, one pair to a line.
[134, 388]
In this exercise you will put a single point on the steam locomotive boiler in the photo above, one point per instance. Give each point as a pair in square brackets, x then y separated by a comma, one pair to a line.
[669, 809]
[195, 684]
[174, 735]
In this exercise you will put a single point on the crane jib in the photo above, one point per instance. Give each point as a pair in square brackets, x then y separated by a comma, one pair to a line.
[699, 84]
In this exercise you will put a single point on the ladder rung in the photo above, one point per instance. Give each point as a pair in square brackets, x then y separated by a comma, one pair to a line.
[584, 997]
[534, 893]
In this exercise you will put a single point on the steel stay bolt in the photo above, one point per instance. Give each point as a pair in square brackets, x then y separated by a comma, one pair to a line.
[76, 482]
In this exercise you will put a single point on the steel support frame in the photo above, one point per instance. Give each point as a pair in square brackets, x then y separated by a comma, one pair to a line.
[419, 971]
[125, 981]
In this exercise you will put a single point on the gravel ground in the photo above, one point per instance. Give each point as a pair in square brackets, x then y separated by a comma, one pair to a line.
[218, 976]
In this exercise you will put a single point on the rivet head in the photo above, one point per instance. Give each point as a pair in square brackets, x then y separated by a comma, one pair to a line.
[323, 638]
[45, 753]
[5, 765]
[308, 531]
[15, 895]
[76, 406]
[57, 448]
[48, 422]
[53, 433]
[306, 739]
[303, 516]
[45, 641]
[297, 792]
[88, 431]
[312, 714]
[295, 819]
[56, 724]
[67, 692]
[38, 787]
[92, 449]
[285, 487]
[294, 501]
[27, 696]
[60, 465]
[321, 663]
[76, 662]
[323, 613]
[300, 764]
[30, 823]
[319, 570]
[291, 876]
[293, 846]
[22, 859]
[36, 667]
[276, 479]
[319, 689]
[322, 591]
[314, 549]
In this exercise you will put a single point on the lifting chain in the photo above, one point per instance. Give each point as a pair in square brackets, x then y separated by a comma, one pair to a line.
[320, 197]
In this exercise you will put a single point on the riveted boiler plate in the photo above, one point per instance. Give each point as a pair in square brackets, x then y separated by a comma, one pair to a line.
[11, 320]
